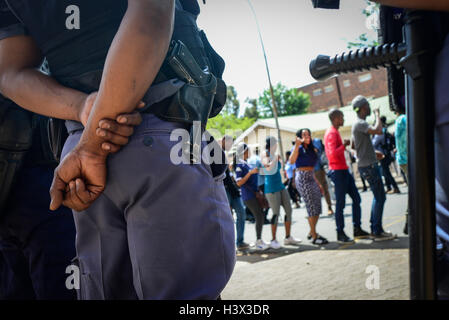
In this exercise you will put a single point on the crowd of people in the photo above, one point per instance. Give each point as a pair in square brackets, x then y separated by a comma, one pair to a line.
[254, 183]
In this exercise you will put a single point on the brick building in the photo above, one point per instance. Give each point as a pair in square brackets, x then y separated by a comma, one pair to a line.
[340, 90]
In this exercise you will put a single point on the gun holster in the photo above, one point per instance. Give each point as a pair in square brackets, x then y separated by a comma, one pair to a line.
[189, 105]
[16, 136]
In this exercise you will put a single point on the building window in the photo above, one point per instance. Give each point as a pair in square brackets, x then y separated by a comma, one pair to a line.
[346, 83]
[317, 92]
[329, 89]
[365, 77]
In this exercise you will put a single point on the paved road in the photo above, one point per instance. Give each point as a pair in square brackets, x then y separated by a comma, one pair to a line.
[328, 272]
[393, 221]
[324, 275]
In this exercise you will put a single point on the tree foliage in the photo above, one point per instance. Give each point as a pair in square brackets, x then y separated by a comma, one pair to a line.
[232, 105]
[252, 111]
[288, 102]
[371, 13]
[229, 124]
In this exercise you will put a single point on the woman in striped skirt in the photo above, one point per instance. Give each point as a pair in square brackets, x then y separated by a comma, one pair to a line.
[305, 157]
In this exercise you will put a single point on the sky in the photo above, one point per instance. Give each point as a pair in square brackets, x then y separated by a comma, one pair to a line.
[293, 33]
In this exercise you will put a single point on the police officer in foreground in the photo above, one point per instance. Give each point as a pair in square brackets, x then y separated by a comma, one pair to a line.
[133, 239]
[441, 140]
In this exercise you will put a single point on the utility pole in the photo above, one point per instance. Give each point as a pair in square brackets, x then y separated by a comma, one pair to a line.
[275, 111]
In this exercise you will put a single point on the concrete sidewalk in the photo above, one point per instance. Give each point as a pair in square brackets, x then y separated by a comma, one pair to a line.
[321, 275]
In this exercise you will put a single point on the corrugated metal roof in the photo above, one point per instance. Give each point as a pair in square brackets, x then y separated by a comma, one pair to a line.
[320, 121]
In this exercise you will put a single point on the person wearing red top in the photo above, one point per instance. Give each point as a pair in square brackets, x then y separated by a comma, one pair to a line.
[343, 181]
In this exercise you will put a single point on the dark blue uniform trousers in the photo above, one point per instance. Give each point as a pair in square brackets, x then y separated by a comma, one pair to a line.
[160, 230]
[36, 245]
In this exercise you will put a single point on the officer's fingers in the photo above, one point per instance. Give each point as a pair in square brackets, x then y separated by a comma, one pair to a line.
[116, 128]
[76, 197]
[109, 147]
[82, 192]
[72, 200]
[114, 138]
[131, 119]
[141, 105]
[57, 192]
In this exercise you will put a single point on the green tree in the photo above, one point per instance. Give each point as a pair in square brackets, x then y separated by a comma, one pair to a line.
[371, 13]
[228, 124]
[232, 105]
[251, 111]
[288, 101]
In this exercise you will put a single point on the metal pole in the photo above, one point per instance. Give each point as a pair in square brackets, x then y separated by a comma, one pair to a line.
[275, 112]
[420, 120]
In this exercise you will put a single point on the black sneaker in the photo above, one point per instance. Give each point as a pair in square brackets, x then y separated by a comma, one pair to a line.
[343, 238]
[243, 246]
[359, 233]
[383, 236]
[320, 241]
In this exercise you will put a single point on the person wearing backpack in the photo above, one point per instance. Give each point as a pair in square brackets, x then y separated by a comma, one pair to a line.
[385, 143]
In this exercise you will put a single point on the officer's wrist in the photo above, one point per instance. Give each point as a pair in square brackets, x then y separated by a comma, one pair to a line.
[91, 144]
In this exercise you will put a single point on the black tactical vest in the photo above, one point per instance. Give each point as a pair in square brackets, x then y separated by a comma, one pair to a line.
[23, 142]
[75, 36]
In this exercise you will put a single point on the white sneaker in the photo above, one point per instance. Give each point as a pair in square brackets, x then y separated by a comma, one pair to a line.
[275, 244]
[261, 245]
[292, 241]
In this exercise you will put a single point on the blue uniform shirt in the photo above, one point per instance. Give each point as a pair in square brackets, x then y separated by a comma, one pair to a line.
[250, 187]
[255, 162]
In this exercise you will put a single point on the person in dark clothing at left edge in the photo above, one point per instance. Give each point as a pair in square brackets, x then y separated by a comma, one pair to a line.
[37, 245]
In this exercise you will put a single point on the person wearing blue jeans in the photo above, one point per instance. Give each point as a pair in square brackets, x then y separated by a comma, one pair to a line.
[342, 179]
[237, 204]
[374, 177]
[344, 184]
[367, 163]
[234, 198]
